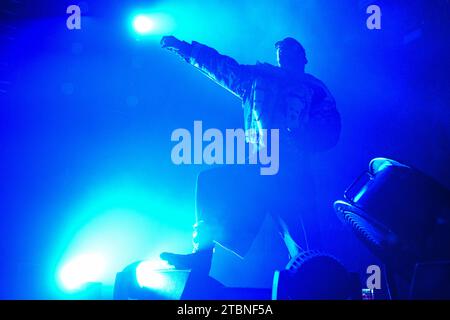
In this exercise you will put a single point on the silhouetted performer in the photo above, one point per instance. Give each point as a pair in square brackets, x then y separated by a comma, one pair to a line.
[233, 200]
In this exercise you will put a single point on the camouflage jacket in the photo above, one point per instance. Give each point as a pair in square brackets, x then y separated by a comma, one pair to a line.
[299, 105]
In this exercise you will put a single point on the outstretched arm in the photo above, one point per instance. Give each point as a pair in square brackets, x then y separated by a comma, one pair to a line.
[222, 69]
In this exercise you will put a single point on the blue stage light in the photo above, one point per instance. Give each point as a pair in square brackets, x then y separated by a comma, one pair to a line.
[148, 275]
[143, 24]
[151, 23]
[82, 270]
[150, 280]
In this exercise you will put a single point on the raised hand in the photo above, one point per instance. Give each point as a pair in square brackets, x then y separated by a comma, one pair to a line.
[171, 43]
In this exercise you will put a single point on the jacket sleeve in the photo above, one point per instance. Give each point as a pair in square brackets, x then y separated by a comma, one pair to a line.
[324, 121]
[222, 69]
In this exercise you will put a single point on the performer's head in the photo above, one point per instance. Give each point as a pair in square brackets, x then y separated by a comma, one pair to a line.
[291, 55]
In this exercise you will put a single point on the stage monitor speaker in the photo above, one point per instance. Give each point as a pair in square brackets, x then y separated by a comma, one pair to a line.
[172, 284]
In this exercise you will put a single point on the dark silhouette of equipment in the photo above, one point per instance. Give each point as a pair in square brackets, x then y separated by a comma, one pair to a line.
[401, 214]
[174, 284]
[313, 275]
[430, 281]
[310, 275]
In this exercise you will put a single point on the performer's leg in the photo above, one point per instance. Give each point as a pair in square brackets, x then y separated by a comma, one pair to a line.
[294, 210]
[230, 207]
[229, 211]
[292, 242]
[202, 237]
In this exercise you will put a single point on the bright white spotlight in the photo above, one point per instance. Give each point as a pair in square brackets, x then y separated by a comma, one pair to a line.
[143, 24]
[82, 270]
[148, 275]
